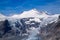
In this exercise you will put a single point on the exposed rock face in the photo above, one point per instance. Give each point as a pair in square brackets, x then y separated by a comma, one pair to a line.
[4, 27]
[9, 28]
[51, 31]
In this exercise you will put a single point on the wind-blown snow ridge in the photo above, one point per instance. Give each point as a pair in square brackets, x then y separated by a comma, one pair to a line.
[30, 13]
[26, 14]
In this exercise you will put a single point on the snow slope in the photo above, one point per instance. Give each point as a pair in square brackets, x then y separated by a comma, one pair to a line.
[30, 13]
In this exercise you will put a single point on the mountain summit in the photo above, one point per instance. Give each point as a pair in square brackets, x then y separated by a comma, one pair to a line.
[26, 14]
[30, 13]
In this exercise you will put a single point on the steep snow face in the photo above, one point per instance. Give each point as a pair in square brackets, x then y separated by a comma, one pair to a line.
[49, 20]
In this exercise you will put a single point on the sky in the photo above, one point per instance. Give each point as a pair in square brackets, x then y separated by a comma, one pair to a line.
[8, 7]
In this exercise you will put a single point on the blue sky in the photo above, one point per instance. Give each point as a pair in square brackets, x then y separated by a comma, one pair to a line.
[8, 7]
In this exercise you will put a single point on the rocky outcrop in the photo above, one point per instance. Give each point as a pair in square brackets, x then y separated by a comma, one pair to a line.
[19, 27]
[51, 31]
[4, 27]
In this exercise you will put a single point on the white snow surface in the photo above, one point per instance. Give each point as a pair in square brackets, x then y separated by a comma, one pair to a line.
[26, 14]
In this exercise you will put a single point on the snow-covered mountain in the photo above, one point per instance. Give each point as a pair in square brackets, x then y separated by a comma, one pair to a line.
[26, 23]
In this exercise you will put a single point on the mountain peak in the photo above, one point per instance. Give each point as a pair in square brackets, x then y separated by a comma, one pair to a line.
[30, 13]
[33, 13]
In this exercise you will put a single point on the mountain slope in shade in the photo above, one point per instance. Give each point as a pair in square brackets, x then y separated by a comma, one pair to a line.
[51, 31]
